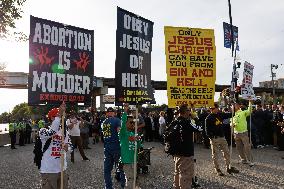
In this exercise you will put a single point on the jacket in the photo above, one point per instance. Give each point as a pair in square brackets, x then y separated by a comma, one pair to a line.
[214, 126]
[187, 147]
[240, 121]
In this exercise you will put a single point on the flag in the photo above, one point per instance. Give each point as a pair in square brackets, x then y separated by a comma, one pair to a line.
[227, 35]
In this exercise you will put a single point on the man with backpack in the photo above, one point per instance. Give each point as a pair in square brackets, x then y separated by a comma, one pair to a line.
[179, 143]
[51, 138]
[215, 131]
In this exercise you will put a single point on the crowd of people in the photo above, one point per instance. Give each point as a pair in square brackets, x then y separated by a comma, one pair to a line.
[254, 126]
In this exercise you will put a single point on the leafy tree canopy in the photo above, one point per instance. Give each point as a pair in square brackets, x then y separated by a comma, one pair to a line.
[21, 111]
[10, 11]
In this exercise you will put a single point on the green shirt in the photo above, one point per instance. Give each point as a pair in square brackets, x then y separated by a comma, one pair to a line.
[127, 142]
[240, 120]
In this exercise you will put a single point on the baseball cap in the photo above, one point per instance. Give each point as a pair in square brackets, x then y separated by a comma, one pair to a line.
[53, 113]
[110, 109]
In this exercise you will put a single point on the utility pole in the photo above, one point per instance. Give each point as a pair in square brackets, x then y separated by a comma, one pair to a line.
[273, 75]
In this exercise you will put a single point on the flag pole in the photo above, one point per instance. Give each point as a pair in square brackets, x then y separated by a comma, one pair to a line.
[135, 150]
[231, 22]
[233, 82]
[62, 151]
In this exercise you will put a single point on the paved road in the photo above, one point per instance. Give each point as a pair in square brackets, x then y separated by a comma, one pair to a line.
[18, 171]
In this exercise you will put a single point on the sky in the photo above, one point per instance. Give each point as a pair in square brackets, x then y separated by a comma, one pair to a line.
[260, 23]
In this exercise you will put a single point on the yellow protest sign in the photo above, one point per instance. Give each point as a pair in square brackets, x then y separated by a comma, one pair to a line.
[191, 66]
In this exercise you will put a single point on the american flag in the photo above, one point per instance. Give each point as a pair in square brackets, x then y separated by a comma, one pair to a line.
[227, 35]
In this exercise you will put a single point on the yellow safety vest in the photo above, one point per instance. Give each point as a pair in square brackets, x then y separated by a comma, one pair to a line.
[12, 127]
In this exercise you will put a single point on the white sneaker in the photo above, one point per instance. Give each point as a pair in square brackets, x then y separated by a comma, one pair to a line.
[251, 164]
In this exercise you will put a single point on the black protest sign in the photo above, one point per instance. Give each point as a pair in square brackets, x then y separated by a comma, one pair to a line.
[133, 58]
[61, 63]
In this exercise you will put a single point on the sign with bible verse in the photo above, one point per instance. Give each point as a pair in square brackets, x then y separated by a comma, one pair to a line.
[61, 65]
[247, 91]
[191, 66]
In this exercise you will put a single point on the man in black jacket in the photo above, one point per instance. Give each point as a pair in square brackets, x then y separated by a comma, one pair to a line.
[183, 159]
[215, 131]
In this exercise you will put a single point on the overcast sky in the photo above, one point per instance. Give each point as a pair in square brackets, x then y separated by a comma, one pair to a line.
[260, 22]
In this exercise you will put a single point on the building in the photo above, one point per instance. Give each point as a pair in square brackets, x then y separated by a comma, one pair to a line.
[278, 84]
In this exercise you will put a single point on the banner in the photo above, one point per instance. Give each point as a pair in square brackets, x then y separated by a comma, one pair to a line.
[108, 99]
[247, 91]
[191, 66]
[61, 65]
[227, 36]
[133, 58]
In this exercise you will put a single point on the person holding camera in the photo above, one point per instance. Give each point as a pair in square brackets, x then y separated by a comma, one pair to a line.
[74, 126]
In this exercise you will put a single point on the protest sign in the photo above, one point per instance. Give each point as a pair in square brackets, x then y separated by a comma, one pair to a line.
[247, 91]
[191, 66]
[61, 63]
[108, 99]
[133, 58]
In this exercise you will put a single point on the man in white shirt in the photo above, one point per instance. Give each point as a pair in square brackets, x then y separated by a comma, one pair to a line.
[51, 160]
[162, 123]
[74, 126]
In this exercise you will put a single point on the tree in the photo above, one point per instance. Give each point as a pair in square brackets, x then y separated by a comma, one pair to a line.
[2, 69]
[21, 111]
[4, 117]
[10, 11]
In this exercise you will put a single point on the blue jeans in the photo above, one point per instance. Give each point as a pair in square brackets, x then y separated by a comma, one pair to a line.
[120, 175]
[111, 157]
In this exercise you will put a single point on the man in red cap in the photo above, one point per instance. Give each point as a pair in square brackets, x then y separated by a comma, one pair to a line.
[50, 168]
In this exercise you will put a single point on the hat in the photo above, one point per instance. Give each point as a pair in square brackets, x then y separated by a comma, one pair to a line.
[110, 109]
[53, 113]
[183, 108]
[214, 106]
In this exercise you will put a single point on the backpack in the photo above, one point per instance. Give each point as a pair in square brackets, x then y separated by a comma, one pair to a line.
[173, 138]
[38, 153]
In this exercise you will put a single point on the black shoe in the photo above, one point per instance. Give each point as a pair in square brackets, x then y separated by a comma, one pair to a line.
[117, 176]
[243, 162]
[219, 172]
[195, 184]
[86, 159]
[251, 164]
[13, 148]
[232, 170]
[72, 160]
[88, 148]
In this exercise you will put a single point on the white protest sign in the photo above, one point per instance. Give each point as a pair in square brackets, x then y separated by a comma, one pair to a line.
[247, 91]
